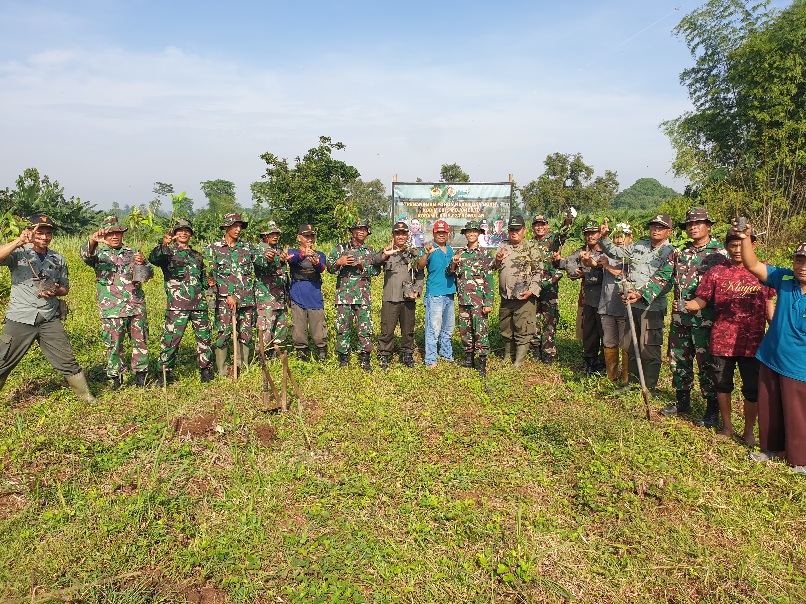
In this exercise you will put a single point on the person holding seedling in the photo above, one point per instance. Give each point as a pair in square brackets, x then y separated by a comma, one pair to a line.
[306, 265]
[34, 313]
[473, 268]
[121, 300]
[544, 346]
[351, 264]
[402, 285]
[782, 376]
[271, 290]
[742, 307]
[230, 271]
[185, 284]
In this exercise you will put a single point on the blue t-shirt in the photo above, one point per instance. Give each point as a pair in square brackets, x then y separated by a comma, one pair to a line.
[306, 280]
[783, 348]
[439, 282]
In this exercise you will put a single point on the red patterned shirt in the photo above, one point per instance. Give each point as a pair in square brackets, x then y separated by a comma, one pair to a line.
[740, 309]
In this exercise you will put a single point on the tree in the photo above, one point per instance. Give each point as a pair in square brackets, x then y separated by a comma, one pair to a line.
[644, 194]
[568, 181]
[453, 173]
[311, 191]
[220, 196]
[369, 198]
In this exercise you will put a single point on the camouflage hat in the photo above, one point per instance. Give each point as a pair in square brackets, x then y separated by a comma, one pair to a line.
[306, 229]
[440, 226]
[231, 219]
[539, 219]
[271, 229]
[516, 223]
[400, 227]
[360, 223]
[111, 224]
[696, 215]
[472, 225]
[591, 226]
[41, 220]
[182, 223]
[800, 250]
[663, 220]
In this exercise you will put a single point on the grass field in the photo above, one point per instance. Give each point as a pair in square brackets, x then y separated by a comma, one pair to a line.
[536, 485]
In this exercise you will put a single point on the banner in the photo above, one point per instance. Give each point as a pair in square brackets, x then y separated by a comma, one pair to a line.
[421, 204]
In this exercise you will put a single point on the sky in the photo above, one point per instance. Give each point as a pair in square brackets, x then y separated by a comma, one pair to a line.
[109, 97]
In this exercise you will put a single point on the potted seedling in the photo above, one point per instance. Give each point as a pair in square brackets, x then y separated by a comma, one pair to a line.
[526, 260]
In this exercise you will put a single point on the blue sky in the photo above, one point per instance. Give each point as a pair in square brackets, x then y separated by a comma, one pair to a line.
[109, 97]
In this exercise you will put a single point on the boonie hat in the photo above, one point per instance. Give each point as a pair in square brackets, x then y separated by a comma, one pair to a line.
[539, 219]
[591, 226]
[359, 223]
[440, 226]
[233, 218]
[472, 225]
[400, 227]
[111, 224]
[306, 229]
[663, 220]
[41, 220]
[516, 222]
[181, 223]
[696, 215]
[271, 228]
[800, 250]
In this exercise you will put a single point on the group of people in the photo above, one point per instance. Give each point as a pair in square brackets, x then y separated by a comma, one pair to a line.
[723, 298]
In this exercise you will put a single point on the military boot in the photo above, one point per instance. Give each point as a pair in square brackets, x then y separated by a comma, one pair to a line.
[509, 349]
[271, 354]
[221, 361]
[160, 382]
[363, 362]
[117, 382]
[521, 352]
[711, 417]
[683, 405]
[383, 361]
[468, 360]
[303, 354]
[407, 359]
[140, 379]
[206, 375]
[344, 359]
[536, 353]
[481, 365]
[243, 355]
[78, 383]
[321, 354]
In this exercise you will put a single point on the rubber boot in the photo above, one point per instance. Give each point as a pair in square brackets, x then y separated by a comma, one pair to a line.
[509, 349]
[683, 405]
[407, 359]
[140, 379]
[243, 355]
[611, 363]
[78, 383]
[206, 375]
[481, 365]
[321, 354]
[535, 353]
[363, 362]
[468, 360]
[221, 361]
[521, 352]
[625, 367]
[711, 417]
[117, 382]
[589, 363]
[383, 361]
[344, 359]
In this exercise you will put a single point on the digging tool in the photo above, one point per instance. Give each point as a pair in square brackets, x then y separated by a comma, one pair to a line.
[637, 351]
[234, 325]
[284, 385]
[266, 377]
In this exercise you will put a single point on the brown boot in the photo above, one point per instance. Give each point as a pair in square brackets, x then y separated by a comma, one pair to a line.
[611, 363]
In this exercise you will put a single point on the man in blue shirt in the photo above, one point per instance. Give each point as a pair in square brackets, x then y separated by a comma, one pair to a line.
[307, 305]
[440, 289]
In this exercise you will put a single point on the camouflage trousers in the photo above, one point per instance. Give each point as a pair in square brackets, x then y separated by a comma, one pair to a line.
[548, 314]
[474, 330]
[223, 323]
[687, 343]
[274, 323]
[175, 323]
[346, 314]
[113, 331]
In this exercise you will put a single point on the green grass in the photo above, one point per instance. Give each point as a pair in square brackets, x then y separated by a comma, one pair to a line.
[538, 485]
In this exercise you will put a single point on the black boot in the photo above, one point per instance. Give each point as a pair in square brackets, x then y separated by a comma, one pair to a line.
[548, 359]
[683, 405]
[711, 417]
[303, 354]
[535, 353]
[383, 361]
[407, 359]
[321, 354]
[363, 362]
[206, 375]
[589, 366]
[160, 383]
[344, 359]
[481, 365]
[468, 361]
[117, 382]
[140, 379]
[271, 354]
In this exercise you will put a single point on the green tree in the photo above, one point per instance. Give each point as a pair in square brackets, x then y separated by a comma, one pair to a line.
[369, 198]
[568, 181]
[220, 196]
[311, 191]
[643, 194]
[453, 173]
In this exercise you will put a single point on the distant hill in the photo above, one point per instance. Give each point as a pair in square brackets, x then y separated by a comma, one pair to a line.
[644, 194]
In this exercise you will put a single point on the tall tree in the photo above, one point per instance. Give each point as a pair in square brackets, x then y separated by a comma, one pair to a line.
[311, 191]
[453, 173]
[568, 181]
[369, 198]
[220, 196]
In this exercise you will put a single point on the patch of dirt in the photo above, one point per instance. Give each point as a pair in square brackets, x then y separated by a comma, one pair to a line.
[11, 503]
[203, 595]
[266, 434]
[195, 427]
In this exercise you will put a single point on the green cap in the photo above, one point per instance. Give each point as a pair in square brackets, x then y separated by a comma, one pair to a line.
[472, 225]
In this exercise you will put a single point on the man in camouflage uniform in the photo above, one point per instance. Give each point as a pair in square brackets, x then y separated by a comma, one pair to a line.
[38, 279]
[690, 332]
[474, 294]
[351, 263]
[271, 290]
[121, 300]
[544, 344]
[185, 284]
[230, 270]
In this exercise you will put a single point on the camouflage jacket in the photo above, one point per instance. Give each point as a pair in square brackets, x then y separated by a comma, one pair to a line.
[233, 269]
[271, 278]
[474, 277]
[353, 282]
[184, 276]
[682, 271]
[117, 294]
[548, 244]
